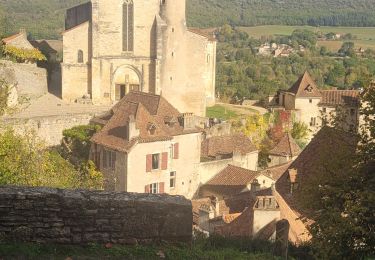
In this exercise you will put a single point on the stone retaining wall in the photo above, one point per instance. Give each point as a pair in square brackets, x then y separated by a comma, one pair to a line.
[80, 217]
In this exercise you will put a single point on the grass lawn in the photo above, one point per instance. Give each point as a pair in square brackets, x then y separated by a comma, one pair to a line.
[365, 35]
[39, 251]
[221, 112]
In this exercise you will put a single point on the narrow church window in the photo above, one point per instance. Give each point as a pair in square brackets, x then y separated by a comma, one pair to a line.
[80, 56]
[128, 26]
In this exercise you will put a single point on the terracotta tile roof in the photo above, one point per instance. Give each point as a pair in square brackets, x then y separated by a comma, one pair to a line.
[328, 146]
[228, 218]
[241, 226]
[233, 176]
[230, 181]
[287, 146]
[223, 145]
[144, 109]
[12, 37]
[340, 97]
[305, 87]
[276, 172]
[208, 33]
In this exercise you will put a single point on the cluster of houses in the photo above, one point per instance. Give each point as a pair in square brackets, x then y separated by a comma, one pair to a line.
[147, 145]
[278, 50]
[151, 143]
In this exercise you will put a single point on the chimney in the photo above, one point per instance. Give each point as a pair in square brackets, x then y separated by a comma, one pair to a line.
[132, 130]
[187, 121]
[293, 175]
[255, 186]
[217, 206]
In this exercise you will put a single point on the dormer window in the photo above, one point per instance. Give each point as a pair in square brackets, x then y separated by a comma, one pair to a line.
[151, 128]
[170, 121]
[309, 88]
[293, 173]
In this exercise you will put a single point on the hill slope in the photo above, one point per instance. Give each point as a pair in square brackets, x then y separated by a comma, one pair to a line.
[283, 12]
[45, 18]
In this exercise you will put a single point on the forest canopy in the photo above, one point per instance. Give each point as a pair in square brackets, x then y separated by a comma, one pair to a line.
[45, 18]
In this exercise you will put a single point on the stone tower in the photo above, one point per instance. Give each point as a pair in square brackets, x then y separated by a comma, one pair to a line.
[178, 64]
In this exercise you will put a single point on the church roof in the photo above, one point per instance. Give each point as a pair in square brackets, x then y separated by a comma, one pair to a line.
[305, 87]
[340, 97]
[223, 145]
[286, 147]
[145, 110]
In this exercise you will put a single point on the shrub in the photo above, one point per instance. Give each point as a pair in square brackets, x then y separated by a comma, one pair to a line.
[23, 55]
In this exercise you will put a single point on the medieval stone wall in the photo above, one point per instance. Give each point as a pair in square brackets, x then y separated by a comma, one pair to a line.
[50, 128]
[29, 80]
[81, 217]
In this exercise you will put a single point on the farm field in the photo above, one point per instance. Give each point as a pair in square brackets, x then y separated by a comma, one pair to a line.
[365, 36]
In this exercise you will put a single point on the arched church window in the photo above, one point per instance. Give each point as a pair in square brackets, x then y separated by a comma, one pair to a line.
[128, 26]
[80, 56]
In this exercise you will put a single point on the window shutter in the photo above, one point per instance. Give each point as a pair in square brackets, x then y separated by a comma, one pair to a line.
[164, 161]
[149, 163]
[161, 187]
[147, 189]
[176, 151]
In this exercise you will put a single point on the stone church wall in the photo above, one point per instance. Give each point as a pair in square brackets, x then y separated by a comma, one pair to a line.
[82, 217]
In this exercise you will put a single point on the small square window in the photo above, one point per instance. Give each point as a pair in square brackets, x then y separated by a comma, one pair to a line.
[310, 101]
[155, 161]
[324, 110]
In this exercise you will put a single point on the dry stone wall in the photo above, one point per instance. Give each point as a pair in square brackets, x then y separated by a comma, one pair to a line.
[79, 217]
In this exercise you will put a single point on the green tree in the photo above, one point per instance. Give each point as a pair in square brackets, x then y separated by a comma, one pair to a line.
[340, 195]
[24, 160]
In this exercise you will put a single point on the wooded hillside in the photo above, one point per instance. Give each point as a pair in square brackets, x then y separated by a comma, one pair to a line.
[45, 18]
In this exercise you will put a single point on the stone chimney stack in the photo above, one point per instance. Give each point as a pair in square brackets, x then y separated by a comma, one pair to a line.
[132, 128]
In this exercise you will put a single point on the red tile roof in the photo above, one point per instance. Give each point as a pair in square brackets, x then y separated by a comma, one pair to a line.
[144, 109]
[12, 37]
[276, 172]
[340, 97]
[329, 148]
[286, 147]
[305, 87]
[223, 145]
[230, 181]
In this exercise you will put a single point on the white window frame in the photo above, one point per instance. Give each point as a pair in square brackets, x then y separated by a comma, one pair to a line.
[154, 188]
[172, 176]
[109, 159]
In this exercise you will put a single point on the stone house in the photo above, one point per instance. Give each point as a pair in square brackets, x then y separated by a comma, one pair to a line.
[18, 40]
[315, 107]
[217, 152]
[113, 47]
[233, 180]
[285, 151]
[238, 202]
[146, 145]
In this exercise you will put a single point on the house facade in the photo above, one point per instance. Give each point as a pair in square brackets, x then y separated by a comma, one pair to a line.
[146, 145]
[315, 107]
[114, 47]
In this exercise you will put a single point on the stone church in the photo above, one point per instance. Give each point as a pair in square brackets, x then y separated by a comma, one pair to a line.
[112, 47]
